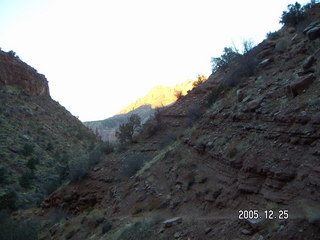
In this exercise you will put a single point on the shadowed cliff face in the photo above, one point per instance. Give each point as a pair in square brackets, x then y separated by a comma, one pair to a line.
[15, 72]
[39, 138]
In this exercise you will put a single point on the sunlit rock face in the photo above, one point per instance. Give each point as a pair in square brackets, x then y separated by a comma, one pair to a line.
[14, 72]
[160, 96]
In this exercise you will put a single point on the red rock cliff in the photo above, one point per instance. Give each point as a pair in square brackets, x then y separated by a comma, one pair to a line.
[15, 72]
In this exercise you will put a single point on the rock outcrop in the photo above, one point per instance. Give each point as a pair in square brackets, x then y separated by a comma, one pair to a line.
[15, 72]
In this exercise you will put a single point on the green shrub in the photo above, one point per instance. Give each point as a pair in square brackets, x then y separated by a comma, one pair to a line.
[78, 169]
[18, 229]
[294, 15]
[32, 162]
[28, 149]
[273, 35]
[95, 157]
[26, 178]
[230, 54]
[132, 164]
[49, 147]
[121, 147]
[12, 53]
[3, 175]
[8, 200]
[106, 148]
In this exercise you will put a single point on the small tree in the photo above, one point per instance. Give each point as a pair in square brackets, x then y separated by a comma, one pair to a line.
[200, 79]
[126, 130]
[178, 94]
[247, 46]
[28, 149]
[294, 15]
[223, 62]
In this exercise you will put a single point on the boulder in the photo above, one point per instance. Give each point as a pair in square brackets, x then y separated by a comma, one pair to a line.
[106, 227]
[314, 33]
[300, 84]
[313, 30]
[254, 104]
[170, 222]
[266, 62]
[308, 62]
[240, 95]
[282, 46]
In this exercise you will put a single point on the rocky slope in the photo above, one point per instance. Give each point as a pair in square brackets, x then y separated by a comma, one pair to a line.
[240, 144]
[38, 137]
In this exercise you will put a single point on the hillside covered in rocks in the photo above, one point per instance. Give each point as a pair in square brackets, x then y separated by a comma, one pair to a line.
[236, 158]
[39, 139]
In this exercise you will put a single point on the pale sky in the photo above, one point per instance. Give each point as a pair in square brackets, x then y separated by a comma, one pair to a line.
[101, 55]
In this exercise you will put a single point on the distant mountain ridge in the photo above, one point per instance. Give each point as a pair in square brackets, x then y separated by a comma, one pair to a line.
[158, 96]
